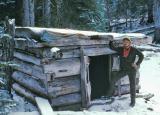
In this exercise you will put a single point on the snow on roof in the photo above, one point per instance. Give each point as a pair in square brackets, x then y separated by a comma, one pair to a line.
[84, 33]
[117, 36]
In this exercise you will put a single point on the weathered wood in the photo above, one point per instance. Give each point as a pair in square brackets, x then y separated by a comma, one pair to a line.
[62, 86]
[44, 106]
[30, 83]
[66, 100]
[74, 42]
[74, 107]
[64, 67]
[24, 92]
[98, 51]
[27, 58]
[25, 113]
[85, 83]
[24, 43]
[31, 69]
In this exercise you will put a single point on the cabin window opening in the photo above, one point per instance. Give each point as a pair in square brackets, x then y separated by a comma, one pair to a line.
[99, 76]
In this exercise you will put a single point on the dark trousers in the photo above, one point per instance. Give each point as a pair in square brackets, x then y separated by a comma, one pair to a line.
[132, 79]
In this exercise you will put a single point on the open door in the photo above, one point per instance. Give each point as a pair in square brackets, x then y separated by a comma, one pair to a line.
[85, 82]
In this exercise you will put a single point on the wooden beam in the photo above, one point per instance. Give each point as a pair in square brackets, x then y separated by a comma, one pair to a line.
[98, 51]
[44, 106]
[84, 85]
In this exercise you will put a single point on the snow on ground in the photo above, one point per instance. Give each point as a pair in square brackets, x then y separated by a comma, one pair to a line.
[150, 85]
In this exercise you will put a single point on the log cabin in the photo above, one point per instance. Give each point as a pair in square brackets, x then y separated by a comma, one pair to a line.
[68, 67]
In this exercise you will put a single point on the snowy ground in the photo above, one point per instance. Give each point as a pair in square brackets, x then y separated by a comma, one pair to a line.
[150, 85]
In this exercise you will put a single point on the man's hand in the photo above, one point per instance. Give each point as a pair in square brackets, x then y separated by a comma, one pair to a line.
[135, 66]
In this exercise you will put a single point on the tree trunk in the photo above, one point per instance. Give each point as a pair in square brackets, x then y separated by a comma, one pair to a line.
[18, 13]
[46, 13]
[150, 11]
[28, 13]
[157, 21]
[108, 16]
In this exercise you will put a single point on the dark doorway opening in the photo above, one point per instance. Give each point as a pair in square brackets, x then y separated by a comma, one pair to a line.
[99, 76]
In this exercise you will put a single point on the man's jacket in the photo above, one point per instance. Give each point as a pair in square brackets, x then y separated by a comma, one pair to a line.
[126, 62]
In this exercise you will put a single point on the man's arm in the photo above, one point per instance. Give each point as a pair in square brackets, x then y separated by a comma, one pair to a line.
[141, 57]
[111, 45]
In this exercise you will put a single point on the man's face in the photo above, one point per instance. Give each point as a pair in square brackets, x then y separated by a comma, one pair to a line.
[126, 43]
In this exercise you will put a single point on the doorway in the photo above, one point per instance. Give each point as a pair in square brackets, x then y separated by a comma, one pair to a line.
[99, 75]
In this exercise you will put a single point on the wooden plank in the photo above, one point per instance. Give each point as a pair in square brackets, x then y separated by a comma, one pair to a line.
[66, 100]
[27, 58]
[25, 113]
[31, 69]
[30, 83]
[98, 51]
[84, 85]
[44, 106]
[63, 86]
[63, 67]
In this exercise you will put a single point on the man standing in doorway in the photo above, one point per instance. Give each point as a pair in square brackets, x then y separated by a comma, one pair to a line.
[127, 55]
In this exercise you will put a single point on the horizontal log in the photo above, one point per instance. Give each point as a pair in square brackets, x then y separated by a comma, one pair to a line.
[66, 100]
[74, 107]
[29, 83]
[27, 58]
[64, 67]
[31, 69]
[24, 92]
[62, 86]
[73, 41]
